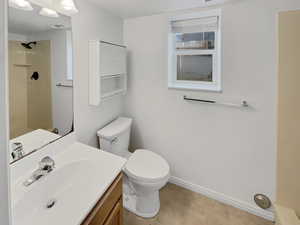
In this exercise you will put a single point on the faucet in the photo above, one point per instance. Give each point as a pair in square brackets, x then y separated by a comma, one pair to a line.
[46, 166]
[17, 151]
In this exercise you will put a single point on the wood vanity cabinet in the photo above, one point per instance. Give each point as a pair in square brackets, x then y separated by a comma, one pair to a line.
[109, 209]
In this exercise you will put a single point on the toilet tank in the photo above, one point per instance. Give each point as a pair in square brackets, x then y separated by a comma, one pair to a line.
[114, 137]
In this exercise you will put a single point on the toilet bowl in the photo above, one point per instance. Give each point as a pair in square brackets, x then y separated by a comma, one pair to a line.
[145, 172]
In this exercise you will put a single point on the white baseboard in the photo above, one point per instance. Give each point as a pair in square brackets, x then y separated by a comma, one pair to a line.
[269, 215]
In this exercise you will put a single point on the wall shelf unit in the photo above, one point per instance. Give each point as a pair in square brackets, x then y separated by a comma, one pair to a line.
[107, 71]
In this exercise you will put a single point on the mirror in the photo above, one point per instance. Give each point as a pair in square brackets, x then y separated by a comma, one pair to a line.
[40, 79]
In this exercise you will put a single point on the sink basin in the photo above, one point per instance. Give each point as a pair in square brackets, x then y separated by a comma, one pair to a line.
[69, 192]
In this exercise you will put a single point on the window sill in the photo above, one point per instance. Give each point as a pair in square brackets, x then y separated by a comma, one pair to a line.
[198, 87]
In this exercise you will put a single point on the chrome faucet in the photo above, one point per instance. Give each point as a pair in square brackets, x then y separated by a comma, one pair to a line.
[46, 166]
[17, 150]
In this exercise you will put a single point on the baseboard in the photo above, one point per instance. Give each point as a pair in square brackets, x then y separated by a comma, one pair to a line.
[269, 215]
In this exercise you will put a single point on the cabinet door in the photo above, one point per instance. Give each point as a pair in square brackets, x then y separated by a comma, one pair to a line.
[116, 216]
[107, 205]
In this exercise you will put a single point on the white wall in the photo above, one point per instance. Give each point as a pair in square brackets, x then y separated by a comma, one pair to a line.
[92, 23]
[4, 187]
[226, 153]
[62, 98]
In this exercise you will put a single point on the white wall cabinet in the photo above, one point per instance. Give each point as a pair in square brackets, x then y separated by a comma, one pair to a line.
[107, 71]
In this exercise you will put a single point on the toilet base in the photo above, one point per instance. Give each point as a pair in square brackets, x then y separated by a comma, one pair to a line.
[146, 207]
[129, 202]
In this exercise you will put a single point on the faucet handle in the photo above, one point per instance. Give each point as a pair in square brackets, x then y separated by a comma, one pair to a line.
[17, 150]
[47, 164]
[17, 145]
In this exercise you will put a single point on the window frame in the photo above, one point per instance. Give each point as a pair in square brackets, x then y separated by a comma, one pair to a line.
[173, 82]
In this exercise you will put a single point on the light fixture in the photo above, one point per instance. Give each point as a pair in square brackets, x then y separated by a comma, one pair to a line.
[20, 4]
[67, 6]
[49, 13]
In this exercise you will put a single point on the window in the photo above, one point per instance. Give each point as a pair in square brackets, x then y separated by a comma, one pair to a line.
[195, 51]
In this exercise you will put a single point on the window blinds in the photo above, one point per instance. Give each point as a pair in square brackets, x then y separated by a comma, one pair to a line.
[205, 24]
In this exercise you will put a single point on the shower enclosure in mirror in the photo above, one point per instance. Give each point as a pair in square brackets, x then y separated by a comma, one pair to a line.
[40, 79]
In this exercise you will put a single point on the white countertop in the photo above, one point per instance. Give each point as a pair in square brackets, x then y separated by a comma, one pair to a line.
[80, 178]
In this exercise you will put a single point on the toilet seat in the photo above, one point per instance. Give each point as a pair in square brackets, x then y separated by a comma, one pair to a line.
[147, 166]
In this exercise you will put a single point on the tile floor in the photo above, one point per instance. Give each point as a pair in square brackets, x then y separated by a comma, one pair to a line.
[183, 207]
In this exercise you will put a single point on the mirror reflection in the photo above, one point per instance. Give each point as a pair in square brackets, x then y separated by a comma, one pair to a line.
[40, 79]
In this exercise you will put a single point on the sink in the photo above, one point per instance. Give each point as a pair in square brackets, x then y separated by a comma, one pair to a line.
[69, 192]
[60, 185]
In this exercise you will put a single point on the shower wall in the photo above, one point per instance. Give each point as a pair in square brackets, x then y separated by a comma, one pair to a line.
[288, 154]
[30, 100]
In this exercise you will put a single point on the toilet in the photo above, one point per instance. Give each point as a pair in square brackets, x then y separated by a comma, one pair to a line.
[145, 172]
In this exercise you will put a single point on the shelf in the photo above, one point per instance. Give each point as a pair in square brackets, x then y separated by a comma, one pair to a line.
[195, 52]
[107, 71]
[23, 65]
[64, 85]
[104, 77]
[113, 93]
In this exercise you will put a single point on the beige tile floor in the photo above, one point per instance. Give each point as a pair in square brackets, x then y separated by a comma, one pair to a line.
[183, 207]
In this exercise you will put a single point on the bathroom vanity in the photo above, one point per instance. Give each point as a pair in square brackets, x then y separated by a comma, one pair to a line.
[109, 209]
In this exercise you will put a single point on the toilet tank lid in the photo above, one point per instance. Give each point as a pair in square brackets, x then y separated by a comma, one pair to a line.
[115, 128]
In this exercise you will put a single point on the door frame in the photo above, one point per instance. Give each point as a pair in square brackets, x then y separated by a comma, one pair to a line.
[5, 209]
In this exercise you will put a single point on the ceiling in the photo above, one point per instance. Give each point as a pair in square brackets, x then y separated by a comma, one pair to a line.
[137, 8]
[26, 23]
[29, 22]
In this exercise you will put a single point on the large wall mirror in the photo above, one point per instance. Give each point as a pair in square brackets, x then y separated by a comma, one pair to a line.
[40, 79]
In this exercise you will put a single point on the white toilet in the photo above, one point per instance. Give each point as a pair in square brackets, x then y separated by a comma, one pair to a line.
[146, 172]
